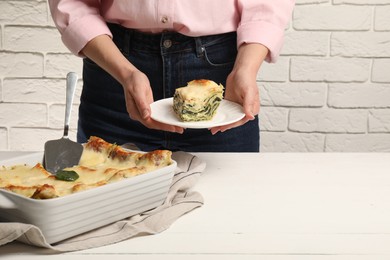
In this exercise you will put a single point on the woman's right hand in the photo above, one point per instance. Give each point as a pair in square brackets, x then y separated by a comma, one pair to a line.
[139, 96]
[136, 85]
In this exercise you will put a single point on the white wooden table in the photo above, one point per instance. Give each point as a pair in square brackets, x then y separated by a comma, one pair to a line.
[269, 206]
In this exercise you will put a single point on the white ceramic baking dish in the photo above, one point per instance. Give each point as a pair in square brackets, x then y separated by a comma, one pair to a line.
[68, 216]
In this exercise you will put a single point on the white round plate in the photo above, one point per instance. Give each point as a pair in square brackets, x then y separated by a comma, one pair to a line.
[228, 112]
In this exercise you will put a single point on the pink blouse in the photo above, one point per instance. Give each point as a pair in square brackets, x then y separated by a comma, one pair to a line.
[256, 21]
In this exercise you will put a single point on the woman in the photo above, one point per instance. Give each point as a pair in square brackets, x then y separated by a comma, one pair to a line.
[139, 51]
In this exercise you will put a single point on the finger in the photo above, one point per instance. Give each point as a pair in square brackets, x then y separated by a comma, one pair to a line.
[132, 109]
[144, 110]
[251, 107]
[142, 103]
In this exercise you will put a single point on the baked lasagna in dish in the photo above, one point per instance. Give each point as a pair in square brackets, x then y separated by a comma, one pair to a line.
[101, 163]
[198, 101]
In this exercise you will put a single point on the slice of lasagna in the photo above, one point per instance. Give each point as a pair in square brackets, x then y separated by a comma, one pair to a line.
[198, 101]
[101, 163]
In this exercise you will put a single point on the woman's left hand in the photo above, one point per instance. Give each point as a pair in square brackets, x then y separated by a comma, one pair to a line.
[241, 86]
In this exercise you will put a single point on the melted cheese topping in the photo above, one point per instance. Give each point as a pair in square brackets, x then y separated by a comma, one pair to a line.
[91, 158]
[198, 91]
[100, 163]
[198, 100]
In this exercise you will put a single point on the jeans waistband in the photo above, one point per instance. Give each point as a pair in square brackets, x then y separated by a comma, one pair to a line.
[168, 41]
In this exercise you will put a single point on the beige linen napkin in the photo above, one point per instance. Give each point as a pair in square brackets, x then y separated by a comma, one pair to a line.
[180, 200]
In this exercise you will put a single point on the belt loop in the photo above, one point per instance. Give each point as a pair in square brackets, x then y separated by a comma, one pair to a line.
[126, 41]
[199, 47]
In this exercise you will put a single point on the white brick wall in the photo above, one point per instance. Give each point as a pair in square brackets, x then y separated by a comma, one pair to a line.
[329, 91]
[33, 66]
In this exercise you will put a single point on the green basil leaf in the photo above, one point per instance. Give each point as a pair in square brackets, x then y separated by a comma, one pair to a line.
[66, 175]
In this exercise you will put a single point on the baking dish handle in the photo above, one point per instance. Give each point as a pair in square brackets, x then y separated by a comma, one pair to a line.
[6, 203]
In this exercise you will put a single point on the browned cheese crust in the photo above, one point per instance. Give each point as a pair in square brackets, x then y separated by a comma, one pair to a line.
[101, 163]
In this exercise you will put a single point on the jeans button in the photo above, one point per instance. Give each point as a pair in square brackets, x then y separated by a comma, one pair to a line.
[164, 19]
[167, 43]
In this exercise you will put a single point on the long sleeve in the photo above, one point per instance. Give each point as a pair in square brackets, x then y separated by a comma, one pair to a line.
[256, 21]
[264, 22]
[78, 21]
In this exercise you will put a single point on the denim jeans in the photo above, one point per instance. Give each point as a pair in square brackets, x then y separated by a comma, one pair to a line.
[169, 60]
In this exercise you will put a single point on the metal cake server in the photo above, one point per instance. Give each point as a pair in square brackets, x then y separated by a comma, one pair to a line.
[62, 153]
